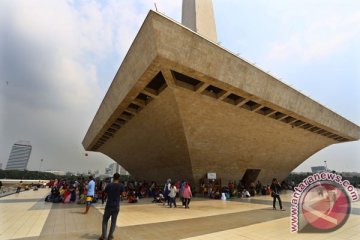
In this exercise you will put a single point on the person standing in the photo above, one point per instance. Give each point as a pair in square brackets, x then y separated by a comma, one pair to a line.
[81, 187]
[18, 187]
[90, 193]
[258, 187]
[172, 195]
[167, 191]
[275, 193]
[103, 186]
[186, 193]
[181, 191]
[113, 192]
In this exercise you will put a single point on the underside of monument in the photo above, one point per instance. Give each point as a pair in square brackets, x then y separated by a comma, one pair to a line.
[180, 106]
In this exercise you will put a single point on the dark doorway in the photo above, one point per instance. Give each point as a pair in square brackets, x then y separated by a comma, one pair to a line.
[249, 177]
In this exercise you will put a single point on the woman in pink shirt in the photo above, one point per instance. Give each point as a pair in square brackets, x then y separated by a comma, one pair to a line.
[187, 194]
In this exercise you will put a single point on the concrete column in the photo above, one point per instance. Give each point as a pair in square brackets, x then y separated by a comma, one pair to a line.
[198, 15]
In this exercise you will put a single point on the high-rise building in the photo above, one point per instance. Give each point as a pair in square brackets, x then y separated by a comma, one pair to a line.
[19, 156]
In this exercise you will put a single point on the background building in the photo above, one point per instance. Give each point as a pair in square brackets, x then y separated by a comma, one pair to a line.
[112, 169]
[316, 169]
[19, 156]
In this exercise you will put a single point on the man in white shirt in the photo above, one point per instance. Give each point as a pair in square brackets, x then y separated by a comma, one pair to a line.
[90, 193]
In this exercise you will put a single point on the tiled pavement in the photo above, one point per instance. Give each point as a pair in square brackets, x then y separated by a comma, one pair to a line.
[26, 216]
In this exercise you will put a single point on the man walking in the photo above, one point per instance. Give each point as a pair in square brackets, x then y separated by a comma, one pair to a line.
[113, 192]
[275, 193]
[90, 193]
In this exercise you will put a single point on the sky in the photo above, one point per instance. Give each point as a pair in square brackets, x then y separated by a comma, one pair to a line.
[58, 59]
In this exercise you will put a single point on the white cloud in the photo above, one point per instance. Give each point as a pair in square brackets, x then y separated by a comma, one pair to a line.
[52, 54]
[318, 39]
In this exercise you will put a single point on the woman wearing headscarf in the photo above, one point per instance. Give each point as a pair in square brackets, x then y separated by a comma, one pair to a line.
[186, 194]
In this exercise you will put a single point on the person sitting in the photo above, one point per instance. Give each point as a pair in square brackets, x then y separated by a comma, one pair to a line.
[205, 191]
[143, 192]
[55, 195]
[245, 193]
[240, 187]
[226, 191]
[268, 190]
[264, 190]
[211, 192]
[217, 194]
[231, 187]
[159, 197]
[124, 195]
[252, 189]
[132, 197]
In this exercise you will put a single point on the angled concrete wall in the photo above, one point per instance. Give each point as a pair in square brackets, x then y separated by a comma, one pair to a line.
[209, 59]
[227, 140]
[210, 111]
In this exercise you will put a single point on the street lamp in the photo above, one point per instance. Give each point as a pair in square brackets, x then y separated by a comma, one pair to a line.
[41, 160]
[325, 166]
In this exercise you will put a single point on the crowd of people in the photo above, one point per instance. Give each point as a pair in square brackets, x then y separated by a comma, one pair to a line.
[67, 191]
[76, 191]
[216, 191]
[171, 191]
[90, 190]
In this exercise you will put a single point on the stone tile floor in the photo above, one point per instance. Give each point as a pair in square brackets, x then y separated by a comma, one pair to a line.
[26, 216]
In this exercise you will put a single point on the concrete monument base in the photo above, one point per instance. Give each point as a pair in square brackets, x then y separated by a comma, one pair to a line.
[180, 106]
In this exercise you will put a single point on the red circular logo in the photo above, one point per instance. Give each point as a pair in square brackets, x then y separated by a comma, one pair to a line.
[326, 206]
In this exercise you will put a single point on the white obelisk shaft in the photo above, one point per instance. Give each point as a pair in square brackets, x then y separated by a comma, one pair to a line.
[198, 15]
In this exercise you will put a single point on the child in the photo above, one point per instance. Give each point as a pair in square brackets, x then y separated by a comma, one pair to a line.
[172, 195]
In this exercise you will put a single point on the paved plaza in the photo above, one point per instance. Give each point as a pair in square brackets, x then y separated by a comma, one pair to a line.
[26, 216]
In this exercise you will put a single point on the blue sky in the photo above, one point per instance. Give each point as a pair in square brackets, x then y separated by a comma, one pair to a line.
[311, 45]
[59, 57]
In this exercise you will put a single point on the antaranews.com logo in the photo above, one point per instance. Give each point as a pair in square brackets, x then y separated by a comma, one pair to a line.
[321, 203]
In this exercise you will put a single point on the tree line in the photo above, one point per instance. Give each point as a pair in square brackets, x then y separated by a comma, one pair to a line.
[24, 174]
